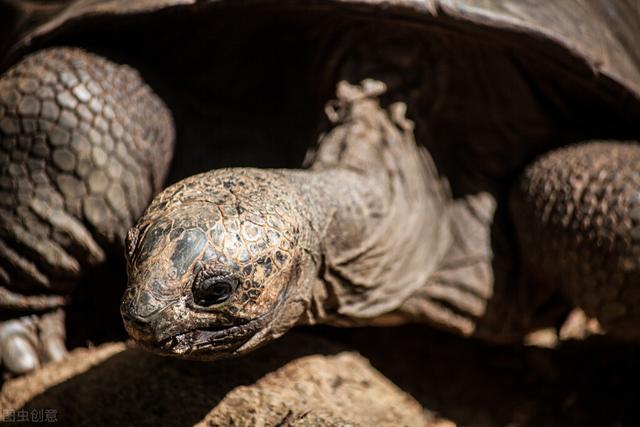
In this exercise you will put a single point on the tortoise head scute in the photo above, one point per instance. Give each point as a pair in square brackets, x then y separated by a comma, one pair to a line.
[210, 265]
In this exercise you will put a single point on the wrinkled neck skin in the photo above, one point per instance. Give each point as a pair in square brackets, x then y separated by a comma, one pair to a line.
[376, 211]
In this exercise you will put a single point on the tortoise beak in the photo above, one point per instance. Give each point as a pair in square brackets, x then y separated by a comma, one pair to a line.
[143, 313]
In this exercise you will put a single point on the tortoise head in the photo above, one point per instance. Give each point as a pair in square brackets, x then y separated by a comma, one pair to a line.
[211, 266]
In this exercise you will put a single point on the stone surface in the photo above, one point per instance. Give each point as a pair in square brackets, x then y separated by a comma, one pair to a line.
[279, 385]
[319, 390]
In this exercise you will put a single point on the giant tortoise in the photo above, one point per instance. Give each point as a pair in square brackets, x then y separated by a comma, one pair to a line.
[477, 167]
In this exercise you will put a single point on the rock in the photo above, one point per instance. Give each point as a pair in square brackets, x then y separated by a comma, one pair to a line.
[300, 380]
[17, 392]
[321, 391]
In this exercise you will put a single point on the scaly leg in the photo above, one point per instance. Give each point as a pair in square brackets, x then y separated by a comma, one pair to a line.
[577, 216]
[84, 143]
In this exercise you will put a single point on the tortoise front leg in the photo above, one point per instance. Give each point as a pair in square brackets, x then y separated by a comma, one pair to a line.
[84, 143]
[577, 217]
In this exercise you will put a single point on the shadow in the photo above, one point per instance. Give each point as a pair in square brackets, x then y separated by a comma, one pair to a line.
[138, 388]
[580, 383]
[93, 317]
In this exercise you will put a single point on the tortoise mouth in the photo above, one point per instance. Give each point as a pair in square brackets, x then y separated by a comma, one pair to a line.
[219, 342]
[212, 342]
[209, 342]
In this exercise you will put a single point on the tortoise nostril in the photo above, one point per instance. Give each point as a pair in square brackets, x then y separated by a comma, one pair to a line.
[139, 307]
[139, 322]
[213, 290]
[147, 304]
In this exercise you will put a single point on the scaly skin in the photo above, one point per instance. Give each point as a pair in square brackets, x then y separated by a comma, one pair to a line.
[577, 216]
[84, 144]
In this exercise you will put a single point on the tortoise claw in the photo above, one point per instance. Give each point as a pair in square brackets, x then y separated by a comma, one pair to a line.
[19, 355]
[52, 335]
[18, 340]
[28, 342]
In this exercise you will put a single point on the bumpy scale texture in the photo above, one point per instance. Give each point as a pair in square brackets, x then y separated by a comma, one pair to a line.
[577, 214]
[84, 143]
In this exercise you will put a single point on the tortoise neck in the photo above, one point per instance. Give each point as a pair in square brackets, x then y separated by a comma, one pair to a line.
[376, 209]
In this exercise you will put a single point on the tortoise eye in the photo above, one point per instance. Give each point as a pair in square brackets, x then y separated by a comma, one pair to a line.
[213, 290]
